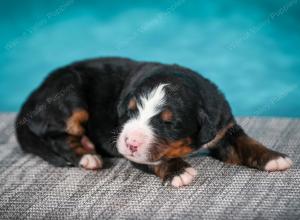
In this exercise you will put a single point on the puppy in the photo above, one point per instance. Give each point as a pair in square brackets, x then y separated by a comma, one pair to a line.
[150, 113]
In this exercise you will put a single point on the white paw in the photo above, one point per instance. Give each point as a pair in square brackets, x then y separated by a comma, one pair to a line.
[91, 162]
[184, 178]
[280, 163]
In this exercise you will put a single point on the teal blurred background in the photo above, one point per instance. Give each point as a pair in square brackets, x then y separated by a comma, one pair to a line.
[251, 49]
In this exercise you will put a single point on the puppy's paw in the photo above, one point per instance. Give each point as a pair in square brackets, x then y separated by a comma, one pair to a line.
[278, 164]
[91, 162]
[185, 178]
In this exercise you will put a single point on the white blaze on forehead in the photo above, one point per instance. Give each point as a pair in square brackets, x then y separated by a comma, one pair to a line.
[151, 103]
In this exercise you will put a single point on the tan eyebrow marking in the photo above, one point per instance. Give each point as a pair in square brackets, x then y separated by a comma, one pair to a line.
[167, 115]
[132, 105]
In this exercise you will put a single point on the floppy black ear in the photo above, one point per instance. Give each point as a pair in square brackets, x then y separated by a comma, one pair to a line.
[207, 130]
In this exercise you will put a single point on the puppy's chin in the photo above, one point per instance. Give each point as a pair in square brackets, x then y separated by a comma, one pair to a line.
[137, 160]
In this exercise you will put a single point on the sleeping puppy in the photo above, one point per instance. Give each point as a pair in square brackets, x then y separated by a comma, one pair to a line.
[150, 113]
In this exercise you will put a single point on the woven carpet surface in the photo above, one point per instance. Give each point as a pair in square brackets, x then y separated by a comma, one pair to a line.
[32, 189]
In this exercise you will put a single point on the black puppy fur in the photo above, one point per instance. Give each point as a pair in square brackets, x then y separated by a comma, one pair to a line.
[91, 98]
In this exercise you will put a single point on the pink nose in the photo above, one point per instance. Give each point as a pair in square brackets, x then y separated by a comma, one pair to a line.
[134, 140]
[133, 144]
[132, 148]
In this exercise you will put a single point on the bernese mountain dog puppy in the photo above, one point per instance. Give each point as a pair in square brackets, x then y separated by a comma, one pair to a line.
[150, 113]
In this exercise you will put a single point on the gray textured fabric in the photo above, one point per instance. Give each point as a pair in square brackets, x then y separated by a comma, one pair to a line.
[32, 189]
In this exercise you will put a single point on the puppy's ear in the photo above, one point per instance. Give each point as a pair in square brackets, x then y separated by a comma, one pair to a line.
[207, 130]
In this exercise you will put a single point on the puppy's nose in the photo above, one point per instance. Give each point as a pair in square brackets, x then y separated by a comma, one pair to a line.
[134, 141]
[132, 148]
[133, 144]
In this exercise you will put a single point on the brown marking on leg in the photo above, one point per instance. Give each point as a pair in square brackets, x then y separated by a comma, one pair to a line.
[74, 123]
[252, 153]
[236, 147]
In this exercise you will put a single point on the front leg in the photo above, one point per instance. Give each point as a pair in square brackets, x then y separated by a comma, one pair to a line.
[176, 170]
